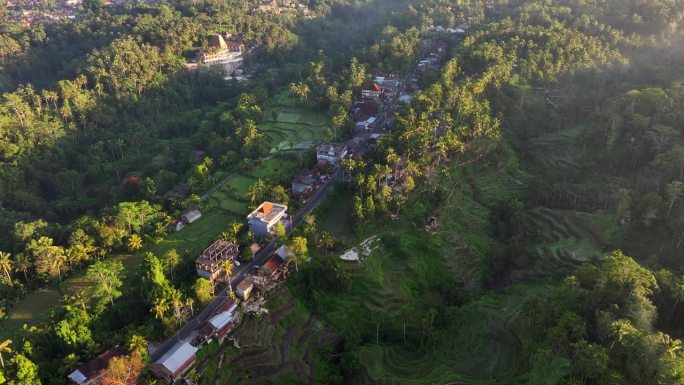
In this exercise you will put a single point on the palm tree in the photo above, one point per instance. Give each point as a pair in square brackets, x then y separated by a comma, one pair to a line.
[135, 242]
[6, 264]
[227, 267]
[621, 329]
[326, 241]
[22, 263]
[5, 348]
[137, 344]
[50, 96]
[342, 275]
[160, 308]
[177, 304]
[79, 299]
[235, 228]
[674, 191]
[254, 191]
[69, 362]
[310, 219]
[190, 303]
[57, 263]
[310, 223]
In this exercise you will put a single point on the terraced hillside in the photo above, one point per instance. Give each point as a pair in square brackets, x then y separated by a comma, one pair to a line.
[479, 346]
[563, 239]
[557, 152]
[275, 346]
[291, 127]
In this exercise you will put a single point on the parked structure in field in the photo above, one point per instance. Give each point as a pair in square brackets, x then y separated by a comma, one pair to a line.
[174, 362]
[191, 216]
[264, 217]
[331, 153]
[90, 372]
[209, 263]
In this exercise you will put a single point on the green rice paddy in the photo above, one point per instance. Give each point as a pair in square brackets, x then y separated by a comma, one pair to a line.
[290, 126]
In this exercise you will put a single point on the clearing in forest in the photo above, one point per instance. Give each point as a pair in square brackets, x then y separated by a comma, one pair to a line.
[290, 125]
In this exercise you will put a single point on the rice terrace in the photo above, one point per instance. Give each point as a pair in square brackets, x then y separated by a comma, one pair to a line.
[290, 126]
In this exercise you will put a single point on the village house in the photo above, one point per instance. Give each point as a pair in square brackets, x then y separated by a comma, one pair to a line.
[90, 372]
[405, 99]
[365, 114]
[277, 266]
[174, 362]
[375, 137]
[244, 289]
[370, 90]
[222, 322]
[331, 153]
[268, 6]
[264, 217]
[209, 263]
[303, 181]
[284, 253]
[272, 266]
[177, 225]
[191, 216]
[367, 124]
[389, 86]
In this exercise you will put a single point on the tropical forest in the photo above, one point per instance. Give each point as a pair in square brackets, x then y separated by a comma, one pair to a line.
[301, 192]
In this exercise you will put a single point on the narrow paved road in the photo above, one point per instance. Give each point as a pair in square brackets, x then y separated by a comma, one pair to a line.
[185, 333]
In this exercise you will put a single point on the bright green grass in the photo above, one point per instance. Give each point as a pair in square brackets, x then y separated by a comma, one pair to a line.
[32, 309]
[274, 165]
[240, 184]
[288, 117]
[289, 125]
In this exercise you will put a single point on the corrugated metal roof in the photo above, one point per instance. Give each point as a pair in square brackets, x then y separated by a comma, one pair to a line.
[78, 377]
[177, 356]
[220, 320]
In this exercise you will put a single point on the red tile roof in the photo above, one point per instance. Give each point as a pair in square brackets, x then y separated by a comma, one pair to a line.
[274, 263]
[371, 86]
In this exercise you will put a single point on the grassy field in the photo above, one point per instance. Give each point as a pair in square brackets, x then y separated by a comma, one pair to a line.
[334, 214]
